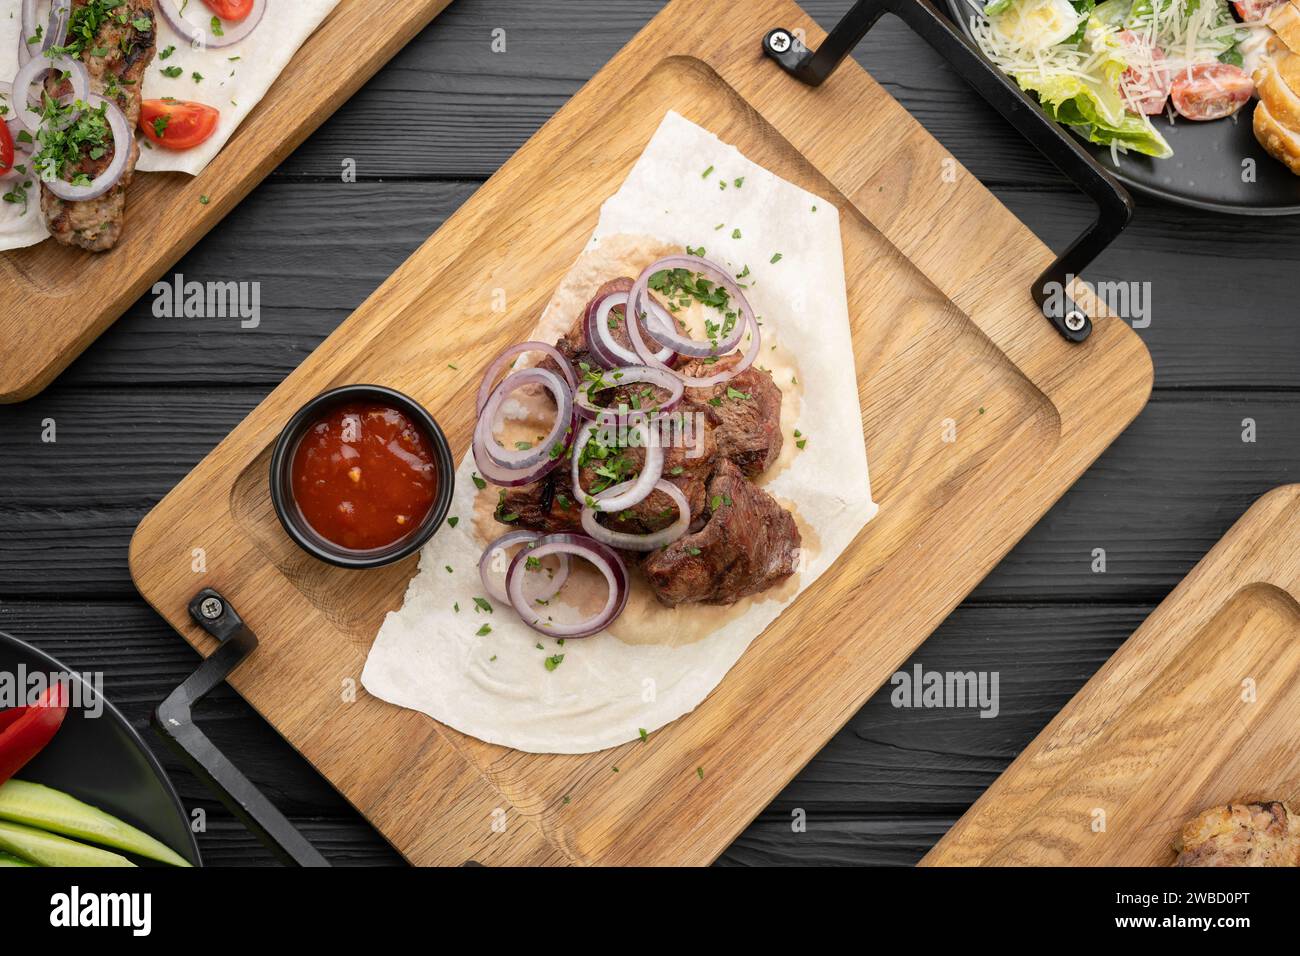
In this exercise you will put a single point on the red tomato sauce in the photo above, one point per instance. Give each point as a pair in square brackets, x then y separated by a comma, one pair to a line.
[364, 476]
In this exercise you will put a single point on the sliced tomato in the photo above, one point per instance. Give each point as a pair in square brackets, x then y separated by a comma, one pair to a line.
[1146, 84]
[232, 10]
[177, 124]
[1211, 91]
[1252, 10]
[6, 148]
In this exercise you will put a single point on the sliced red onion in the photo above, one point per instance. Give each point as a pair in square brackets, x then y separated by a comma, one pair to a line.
[202, 37]
[501, 361]
[53, 34]
[635, 491]
[631, 375]
[496, 590]
[110, 176]
[22, 152]
[602, 557]
[640, 542]
[666, 333]
[685, 346]
[33, 72]
[552, 447]
[604, 348]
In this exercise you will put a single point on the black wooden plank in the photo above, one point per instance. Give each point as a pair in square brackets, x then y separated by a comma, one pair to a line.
[1156, 501]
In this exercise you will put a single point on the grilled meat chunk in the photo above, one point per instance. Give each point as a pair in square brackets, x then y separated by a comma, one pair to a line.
[117, 43]
[1256, 834]
[747, 544]
[547, 505]
[657, 511]
[745, 412]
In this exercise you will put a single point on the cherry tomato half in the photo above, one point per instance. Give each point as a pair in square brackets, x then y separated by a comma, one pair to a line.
[232, 10]
[1211, 91]
[177, 124]
[1146, 85]
[6, 148]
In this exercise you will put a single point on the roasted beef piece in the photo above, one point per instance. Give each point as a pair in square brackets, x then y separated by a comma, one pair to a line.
[657, 510]
[748, 428]
[116, 57]
[748, 543]
[547, 505]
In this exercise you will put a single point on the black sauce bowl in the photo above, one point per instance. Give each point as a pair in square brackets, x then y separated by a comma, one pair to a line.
[291, 516]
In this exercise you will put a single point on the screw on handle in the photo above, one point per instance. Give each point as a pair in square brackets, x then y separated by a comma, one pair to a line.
[174, 721]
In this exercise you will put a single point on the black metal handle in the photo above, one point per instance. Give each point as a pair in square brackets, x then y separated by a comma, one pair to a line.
[1115, 205]
[174, 720]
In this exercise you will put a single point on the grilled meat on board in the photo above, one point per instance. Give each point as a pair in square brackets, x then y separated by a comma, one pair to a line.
[741, 540]
[116, 40]
[1256, 834]
[748, 543]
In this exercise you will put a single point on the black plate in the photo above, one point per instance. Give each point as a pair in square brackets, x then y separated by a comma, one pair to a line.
[1206, 169]
[103, 761]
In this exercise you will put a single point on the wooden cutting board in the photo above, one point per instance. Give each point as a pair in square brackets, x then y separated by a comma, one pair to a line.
[946, 339]
[55, 300]
[1199, 708]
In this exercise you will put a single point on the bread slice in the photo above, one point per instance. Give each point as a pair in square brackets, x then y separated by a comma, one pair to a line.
[1283, 144]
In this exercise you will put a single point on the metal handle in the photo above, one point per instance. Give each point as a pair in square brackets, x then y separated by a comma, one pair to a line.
[174, 720]
[1115, 205]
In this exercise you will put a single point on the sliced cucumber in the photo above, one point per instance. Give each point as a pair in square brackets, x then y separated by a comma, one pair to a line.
[8, 859]
[53, 810]
[46, 849]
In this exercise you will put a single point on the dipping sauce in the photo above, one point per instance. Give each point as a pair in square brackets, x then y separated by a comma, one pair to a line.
[364, 476]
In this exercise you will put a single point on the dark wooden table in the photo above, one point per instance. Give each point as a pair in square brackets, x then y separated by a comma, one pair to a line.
[154, 395]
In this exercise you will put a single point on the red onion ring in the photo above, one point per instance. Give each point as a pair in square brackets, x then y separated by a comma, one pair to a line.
[200, 37]
[691, 347]
[601, 343]
[485, 388]
[602, 557]
[558, 437]
[637, 490]
[631, 375]
[510, 538]
[109, 177]
[55, 33]
[640, 542]
[33, 72]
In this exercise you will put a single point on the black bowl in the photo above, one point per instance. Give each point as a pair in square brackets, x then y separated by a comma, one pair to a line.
[100, 759]
[290, 515]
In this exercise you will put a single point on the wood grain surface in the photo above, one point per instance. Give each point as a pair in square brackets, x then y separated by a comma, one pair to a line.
[78, 294]
[1199, 708]
[941, 331]
[140, 409]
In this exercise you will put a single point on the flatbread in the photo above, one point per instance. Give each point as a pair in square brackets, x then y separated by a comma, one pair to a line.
[654, 664]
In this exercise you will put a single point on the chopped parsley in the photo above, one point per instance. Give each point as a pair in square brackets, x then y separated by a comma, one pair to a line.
[172, 72]
[554, 661]
[453, 521]
[483, 604]
[483, 631]
[776, 257]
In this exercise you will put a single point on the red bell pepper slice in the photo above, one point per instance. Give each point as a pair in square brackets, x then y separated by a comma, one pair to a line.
[24, 731]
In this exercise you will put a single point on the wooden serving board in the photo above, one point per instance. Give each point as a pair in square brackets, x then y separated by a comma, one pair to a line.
[55, 300]
[945, 336]
[1199, 708]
